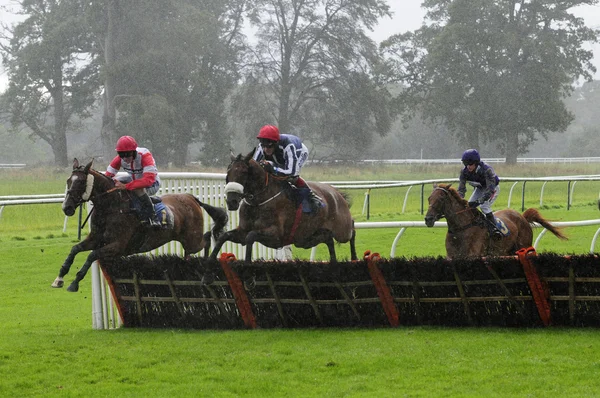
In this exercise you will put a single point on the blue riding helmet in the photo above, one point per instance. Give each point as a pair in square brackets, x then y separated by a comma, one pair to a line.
[471, 156]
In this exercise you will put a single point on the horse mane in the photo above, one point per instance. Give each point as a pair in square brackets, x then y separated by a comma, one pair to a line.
[452, 191]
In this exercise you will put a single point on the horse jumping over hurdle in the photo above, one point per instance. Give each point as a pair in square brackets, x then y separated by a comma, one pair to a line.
[116, 230]
[271, 215]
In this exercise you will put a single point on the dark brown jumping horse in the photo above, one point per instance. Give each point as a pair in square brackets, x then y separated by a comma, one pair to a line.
[269, 215]
[116, 230]
[468, 234]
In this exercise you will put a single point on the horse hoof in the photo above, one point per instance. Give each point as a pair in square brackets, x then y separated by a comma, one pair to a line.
[57, 283]
[73, 287]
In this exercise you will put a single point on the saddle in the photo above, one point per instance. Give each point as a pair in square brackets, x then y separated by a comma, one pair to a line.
[300, 196]
[500, 226]
[161, 212]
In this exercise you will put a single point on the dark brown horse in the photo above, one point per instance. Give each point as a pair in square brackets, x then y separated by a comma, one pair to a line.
[270, 215]
[116, 230]
[468, 234]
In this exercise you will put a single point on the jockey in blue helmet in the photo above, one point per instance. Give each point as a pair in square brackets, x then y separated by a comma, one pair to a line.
[486, 186]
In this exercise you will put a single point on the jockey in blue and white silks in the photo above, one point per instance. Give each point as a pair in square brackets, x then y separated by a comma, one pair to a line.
[284, 155]
[289, 155]
[485, 181]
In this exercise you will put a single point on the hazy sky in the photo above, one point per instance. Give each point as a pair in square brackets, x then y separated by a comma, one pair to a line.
[408, 15]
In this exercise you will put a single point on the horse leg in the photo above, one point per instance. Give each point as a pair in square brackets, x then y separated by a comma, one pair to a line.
[250, 239]
[74, 286]
[353, 255]
[331, 246]
[235, 236]
[109, 251]
[207, 240]
[322, 236]
[64, 269]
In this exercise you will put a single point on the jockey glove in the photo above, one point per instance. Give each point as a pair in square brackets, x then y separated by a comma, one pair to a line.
[268, 167]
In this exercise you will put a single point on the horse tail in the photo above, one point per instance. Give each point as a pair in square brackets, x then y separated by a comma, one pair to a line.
[219, 216]
[532, 215]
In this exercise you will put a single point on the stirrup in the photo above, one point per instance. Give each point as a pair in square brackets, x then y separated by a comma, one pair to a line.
[152, 223]
[496, 234]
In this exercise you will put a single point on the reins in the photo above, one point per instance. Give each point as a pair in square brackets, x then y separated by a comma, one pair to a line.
[473, 223]
[247, 197]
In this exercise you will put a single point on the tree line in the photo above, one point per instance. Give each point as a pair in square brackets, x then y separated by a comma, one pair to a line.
[206, 73]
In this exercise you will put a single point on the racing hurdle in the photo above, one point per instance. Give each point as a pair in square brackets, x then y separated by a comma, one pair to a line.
[527, 290]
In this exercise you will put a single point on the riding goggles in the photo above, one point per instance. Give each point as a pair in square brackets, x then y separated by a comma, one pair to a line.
[468, 162]
[267, 143]
[128, 154]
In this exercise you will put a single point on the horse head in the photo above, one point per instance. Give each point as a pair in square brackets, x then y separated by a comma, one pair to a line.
[79, 188]
[82, 184]
[438, 200]
[244, 179]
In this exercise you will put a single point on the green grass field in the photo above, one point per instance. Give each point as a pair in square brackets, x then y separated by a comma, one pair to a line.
[48, 348]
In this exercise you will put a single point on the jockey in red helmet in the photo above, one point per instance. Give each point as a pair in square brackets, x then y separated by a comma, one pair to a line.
[486, 187]
[285, 154]
[142, 178]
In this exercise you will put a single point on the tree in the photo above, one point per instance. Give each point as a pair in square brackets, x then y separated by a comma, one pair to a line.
[494, 70]
[313, 59]
[185, 70]
[51, 70]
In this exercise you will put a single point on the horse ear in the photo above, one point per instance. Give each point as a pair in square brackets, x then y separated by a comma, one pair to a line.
[87, 167]
[435, 185]
[449, 185]
[75, 163]
[231, 154]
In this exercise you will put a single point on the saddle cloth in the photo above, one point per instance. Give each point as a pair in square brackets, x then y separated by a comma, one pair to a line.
[162, 213]
[502, 227]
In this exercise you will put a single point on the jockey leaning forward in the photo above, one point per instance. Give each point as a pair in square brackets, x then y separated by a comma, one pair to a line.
[284, 155]
[142, 178]
[486, 183]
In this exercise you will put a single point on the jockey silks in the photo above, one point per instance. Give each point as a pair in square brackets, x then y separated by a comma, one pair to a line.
[142, 170]
[482, 177]
[288, 157]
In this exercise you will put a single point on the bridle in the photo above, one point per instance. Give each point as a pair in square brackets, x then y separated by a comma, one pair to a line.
[88, 193]
[442, 215]
[248, 198]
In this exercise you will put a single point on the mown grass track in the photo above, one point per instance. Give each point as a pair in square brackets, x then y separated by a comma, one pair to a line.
[47, 346]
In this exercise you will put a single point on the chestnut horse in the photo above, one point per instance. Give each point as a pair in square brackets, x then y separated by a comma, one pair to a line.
[269, 213]
[116, 230]
[468, 234]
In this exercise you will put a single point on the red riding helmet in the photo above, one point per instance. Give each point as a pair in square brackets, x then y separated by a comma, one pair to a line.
[126, 144]
[269, 132]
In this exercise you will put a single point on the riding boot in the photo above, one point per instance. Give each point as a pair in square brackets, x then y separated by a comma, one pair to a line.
[493, 228]
[147, 211]
[311, 197]
[315, 201]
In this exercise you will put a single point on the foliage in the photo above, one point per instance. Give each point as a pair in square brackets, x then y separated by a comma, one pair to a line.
[494, 71]
[171, 92]
[313, 69]
[52, 72]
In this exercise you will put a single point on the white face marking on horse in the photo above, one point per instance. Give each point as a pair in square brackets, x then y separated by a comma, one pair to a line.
[73, 179]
